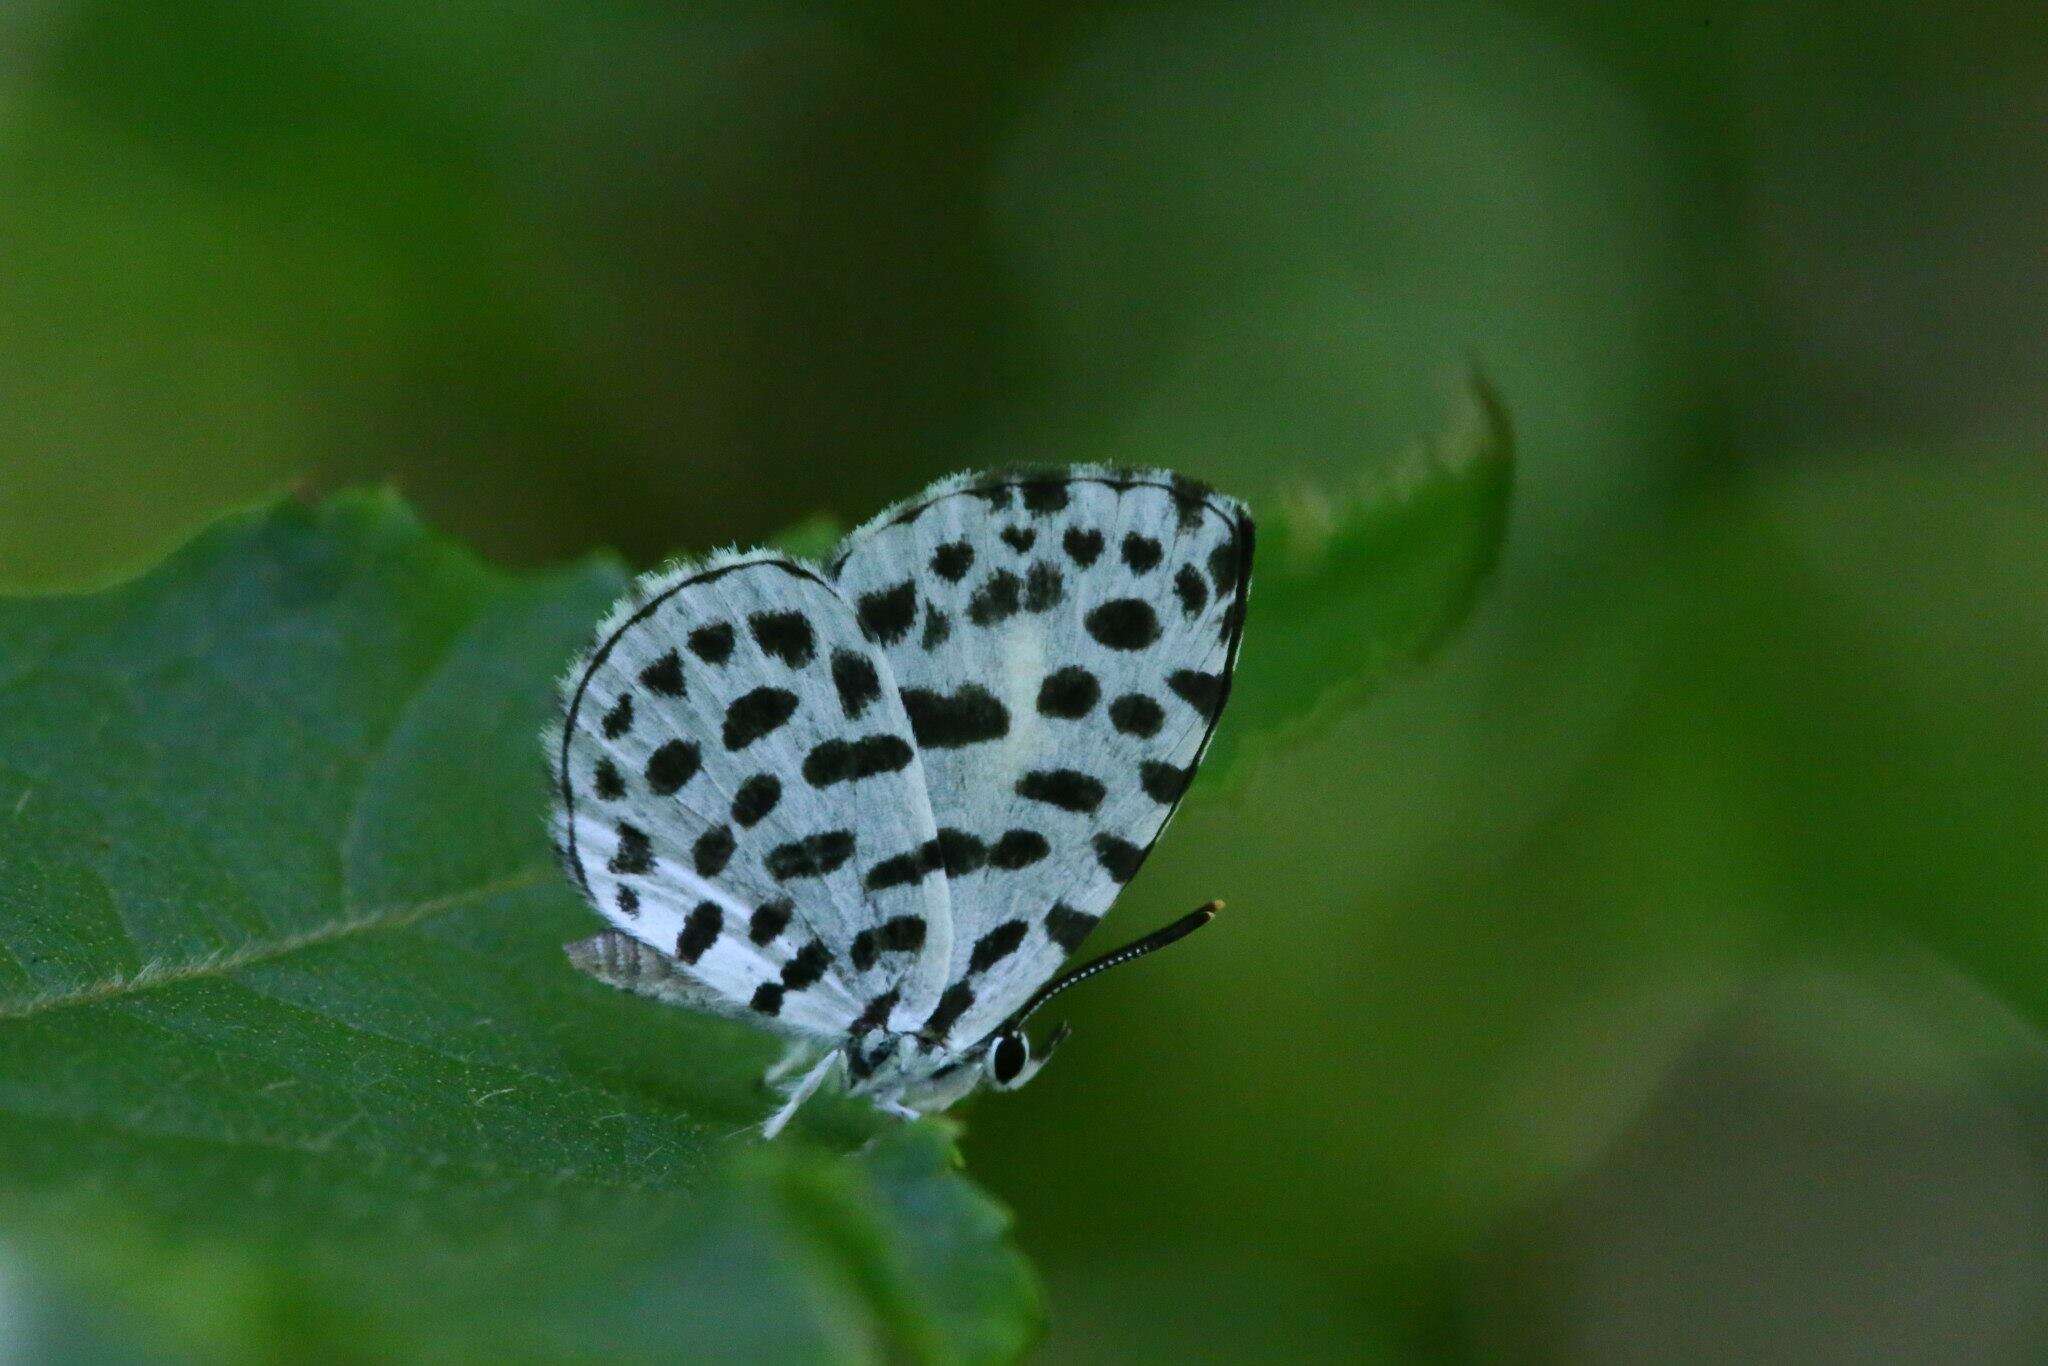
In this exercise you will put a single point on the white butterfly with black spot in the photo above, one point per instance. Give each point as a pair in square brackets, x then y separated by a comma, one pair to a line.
[874, 804]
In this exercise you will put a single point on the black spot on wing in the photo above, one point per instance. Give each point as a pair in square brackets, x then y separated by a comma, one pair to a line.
[671, 766]
[968, 715]
[713, 851]
[1189, 498]
[1042, 496]
[875, 1013]
[1067, 927]
[902, 934]
[664, 676]
[1202, 691]
[812, 856]
[1118, 857]
[713, 643]
[997, 496]
[756, 797]
[1191, 590]
[770, 918]
[1084, 547]
[1223, 567]
[902, 870]
[1141, 553]
[767, 998]
[899, 934]
[1164, 783]
[606, 782]
[1019, 538]
[955, 1002]
[619, 719]
[785, 636]
[938, 628]
[1136, 714]
[1123, 624]
[853, 674]
[700, 931]
[756, 714]
[996, 600]
[1068, 789]
[806, 966]
[952, 560]
[635, 853]
[998, 944]
[1069, 693]
[958, 852]
[847, 761]
[1230, 620]
[887, 613]
[628, 901]
[1044, 588]
[1018, 849]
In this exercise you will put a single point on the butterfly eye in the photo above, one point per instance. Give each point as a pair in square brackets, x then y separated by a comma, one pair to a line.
[1006, 1058]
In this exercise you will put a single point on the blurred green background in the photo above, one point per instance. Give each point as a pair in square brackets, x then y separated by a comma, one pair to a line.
[1660, 975]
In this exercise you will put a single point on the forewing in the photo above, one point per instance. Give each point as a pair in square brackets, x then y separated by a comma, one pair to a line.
[733, 756]
[1064, 642]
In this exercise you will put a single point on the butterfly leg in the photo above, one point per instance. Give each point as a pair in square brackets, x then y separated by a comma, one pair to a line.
[797, 1055]
[800, 1093]
[898, 1109]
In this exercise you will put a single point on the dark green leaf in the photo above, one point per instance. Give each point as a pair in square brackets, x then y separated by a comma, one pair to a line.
[813, 538]
[1351, 588]
[290, 1061]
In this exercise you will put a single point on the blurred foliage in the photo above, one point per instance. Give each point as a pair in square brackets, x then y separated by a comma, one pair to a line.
[1658, 973]
[1362, 584]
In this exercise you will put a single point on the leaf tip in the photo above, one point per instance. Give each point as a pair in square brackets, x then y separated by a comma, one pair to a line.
[1481, 430]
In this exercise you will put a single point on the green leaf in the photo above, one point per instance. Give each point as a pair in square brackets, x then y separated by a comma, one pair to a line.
[813, 538]
[1352, 588]
[290, 1060]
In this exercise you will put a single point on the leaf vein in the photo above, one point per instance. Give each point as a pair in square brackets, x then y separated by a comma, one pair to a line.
[154, 975]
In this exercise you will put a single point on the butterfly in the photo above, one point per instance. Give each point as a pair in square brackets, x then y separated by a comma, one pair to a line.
[874, 804]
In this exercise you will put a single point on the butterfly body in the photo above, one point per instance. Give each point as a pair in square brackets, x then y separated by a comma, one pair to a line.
[913, 1071]
[874, 804]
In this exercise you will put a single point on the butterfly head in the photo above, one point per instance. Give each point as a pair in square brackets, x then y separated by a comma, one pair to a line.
[1008, 1061]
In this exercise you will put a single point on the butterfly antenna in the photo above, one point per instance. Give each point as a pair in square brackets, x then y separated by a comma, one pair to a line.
[1137, 948]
